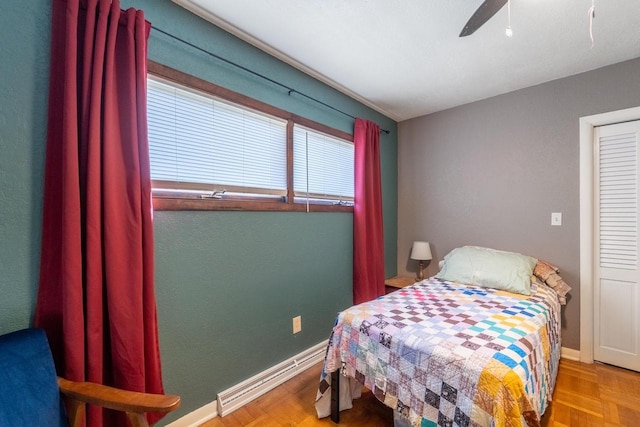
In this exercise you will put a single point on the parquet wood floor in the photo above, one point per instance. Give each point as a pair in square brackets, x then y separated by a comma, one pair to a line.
[585, 395]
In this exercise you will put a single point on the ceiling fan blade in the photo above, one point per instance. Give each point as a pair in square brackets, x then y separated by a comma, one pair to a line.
[482, 15]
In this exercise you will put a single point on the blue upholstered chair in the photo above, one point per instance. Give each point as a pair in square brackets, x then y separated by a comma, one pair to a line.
[31, 392]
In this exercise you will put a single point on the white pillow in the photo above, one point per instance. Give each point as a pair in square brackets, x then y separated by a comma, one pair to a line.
[489, 268]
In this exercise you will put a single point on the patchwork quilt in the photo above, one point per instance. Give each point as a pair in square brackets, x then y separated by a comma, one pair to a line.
[451, 354]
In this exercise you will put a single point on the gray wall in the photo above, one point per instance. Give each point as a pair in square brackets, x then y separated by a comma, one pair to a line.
[491, 173]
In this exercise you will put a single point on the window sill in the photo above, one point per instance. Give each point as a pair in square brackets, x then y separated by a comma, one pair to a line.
[185, 204]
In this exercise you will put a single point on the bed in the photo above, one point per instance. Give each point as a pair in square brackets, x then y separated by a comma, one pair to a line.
[447, 352]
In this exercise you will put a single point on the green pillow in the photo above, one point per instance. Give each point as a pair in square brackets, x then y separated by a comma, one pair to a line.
[491, 268]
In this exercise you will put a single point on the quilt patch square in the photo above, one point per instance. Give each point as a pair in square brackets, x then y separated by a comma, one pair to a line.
[461, 419]
[432, 398]
[448, 392]
[444, 421]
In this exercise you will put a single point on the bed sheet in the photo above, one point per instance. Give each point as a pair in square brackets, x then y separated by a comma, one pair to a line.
[450, 353]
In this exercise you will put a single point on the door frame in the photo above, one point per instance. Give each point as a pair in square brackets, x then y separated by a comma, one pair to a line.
[587, 225]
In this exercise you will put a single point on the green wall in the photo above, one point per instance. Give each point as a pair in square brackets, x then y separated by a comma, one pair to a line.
[227, 283]
[24, 49]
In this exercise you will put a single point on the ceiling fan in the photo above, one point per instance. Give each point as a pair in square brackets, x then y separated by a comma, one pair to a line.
[487, 9]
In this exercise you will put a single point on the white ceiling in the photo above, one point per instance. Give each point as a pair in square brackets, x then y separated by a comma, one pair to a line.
[404, 57]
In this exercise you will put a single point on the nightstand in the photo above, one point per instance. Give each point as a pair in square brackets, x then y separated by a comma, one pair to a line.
[397, 282]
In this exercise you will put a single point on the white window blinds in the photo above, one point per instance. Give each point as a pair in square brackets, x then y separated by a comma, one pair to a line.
[197, 142]
[322, 166]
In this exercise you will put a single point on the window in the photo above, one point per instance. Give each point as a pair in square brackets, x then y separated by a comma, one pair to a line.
[322, 167]
[214, 149]
[201, 144]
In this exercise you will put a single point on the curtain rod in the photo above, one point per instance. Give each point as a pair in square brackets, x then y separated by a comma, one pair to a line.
[289, 89]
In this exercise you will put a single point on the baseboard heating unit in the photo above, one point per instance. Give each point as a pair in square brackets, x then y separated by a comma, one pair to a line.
[239, 395]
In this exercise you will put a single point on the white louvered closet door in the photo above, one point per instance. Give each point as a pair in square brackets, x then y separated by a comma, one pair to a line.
[617, 272]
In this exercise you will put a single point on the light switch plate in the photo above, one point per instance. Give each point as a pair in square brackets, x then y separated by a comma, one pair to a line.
[556, 218]
[297, 324]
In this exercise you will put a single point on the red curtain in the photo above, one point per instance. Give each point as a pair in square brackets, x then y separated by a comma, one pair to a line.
[368, 241]
[96, 298]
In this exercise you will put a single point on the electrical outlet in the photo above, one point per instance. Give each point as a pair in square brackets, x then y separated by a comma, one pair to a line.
[297, 324]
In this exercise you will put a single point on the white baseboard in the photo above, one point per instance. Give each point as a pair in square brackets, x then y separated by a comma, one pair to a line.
[197, 417]
[570, 354]
[239, 395]
[265, 381]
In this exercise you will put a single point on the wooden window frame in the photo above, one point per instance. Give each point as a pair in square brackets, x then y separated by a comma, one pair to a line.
[168, 202]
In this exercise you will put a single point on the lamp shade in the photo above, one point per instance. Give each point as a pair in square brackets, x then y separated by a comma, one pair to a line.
[421, 251]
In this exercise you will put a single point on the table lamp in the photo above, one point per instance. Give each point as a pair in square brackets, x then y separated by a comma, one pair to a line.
[421, 251]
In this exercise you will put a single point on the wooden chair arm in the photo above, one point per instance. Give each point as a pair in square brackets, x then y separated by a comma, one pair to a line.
[135, 404]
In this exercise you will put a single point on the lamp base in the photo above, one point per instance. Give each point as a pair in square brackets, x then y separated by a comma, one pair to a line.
[420, 272]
